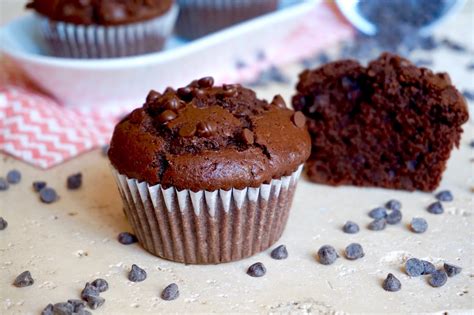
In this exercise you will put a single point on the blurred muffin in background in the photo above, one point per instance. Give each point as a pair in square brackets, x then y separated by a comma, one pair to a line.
[201, 17]
[104, 29]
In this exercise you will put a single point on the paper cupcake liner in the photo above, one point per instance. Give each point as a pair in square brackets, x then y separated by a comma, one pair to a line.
[207, 227]
[200, 17]
[97, 41]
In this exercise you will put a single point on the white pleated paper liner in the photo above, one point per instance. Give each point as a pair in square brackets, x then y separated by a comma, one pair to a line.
[97, 41]
[200, 17]
[207, 227]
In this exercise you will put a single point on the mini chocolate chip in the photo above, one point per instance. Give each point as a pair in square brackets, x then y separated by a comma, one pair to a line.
[173, 104]
[77, 305]
[227, 87]
[280, 252]
[391, 283]
[187, 131]
[89, 290]
[435, 208]
[152, 96]
[452, 270]
[377, 225]
[418, 225]
[354, 251]
[63, 308]
[278, 101]
[414, 267]
[327, 255]
[94, 301]
[13, 177]
[126, 238]
[230, 92]
[257, 270]
[185, 93]
[3, 184]
[247, 136]
[393, 205]
[48, 310]
[3, 224]
[394, 217]
[206, 129]
[428, 268]
[74, 181]
[24, 279]
[350, 227]
[378, 213]
[438, 278]
[38, 185]
[101, 284]
[48, 195]
[136, 274]
[198, 93]
[206, 82]
[166, 116]
[171, 292]
[444, 195]
[299, 119]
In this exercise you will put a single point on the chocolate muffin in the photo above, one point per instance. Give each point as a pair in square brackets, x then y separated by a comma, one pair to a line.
[390, 124]
[104, 29]
[207, 173]
[201, 17]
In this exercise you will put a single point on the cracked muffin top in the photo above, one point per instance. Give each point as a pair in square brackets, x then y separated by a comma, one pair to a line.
[206, 137]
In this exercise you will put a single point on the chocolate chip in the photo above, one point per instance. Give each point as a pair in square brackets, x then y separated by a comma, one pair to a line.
[126, 238]
[428, 268]
[299, 119]
[393, 205]
[185, 93]
[279, 252]
[166, 116]
[152, 96]
[350, 227]
[206, 82]
[452, 270]
[231, 92]
[418, 225]
[171, 292]
[48, 310]
[378, 213]
[77, 305]
[198, 93]
[414, 267]
[278, 101]
[13, 177]
[3, 224]
[173, 104]
[327, 255]
[248, 136]
[101, 284]
[3, 184]
[38, 185]
[24, 279]
[257, 270]
[94, 301]
[435, 208]
[136, 274]
[187, 131]
[354, 251]
[394, 217]
[74, 181]
[63, 309]
[438, 278]
[89, 290]
[206, 129]
[48, 195]
[377, 225]
[391, 283]
[444, 195]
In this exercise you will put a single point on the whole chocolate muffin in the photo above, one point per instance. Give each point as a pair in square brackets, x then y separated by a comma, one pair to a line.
[390, 124]
[207, 173]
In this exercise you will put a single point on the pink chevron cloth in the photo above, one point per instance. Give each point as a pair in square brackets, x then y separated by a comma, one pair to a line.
[38, 130]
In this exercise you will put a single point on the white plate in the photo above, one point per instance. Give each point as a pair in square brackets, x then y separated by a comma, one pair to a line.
[103, 82]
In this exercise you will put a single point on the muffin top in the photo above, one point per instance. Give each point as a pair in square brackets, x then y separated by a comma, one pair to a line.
[204, 137]
[101, 12]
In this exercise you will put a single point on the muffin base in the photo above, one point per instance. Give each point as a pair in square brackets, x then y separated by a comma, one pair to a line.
[207, 227]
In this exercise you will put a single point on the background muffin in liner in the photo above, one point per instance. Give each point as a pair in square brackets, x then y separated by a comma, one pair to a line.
[104, 29]
[201, 17]
[207, 174]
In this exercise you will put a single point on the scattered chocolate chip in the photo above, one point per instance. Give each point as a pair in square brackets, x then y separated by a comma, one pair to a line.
[3, 184]
[24, 279]
[354, 251]
[438, 278]
[394, 217]
[166, 116]
[48, 195]
[105, 150]
[13, 177]
[350, 227]
[152, 96]
[278, 101]
[393, 205]
[187, 131]
[418, 225]
[280, 252]
[126, 238]
[101, 284]
[248, 136]
[435, 208]
[38, 185]
[173, 104]
[136, 274]
[378, 213]
[327, 255]
[414, 267]
[469, 95]
[206, 82]
[77, 305]
[171, 292]
[444, 195]
[3, 224]
[63, 308]
[48, 310]
[428, 268]
[452, 270]
[231, 92]
[74, 181]
[95, 301]
[89, 290]
[391, 283]
[206, 129]
[257, 270]
[299, 119]
[377, 225]
[185, 93]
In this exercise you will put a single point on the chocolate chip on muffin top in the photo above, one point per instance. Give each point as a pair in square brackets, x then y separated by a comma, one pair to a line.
[206, 137]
